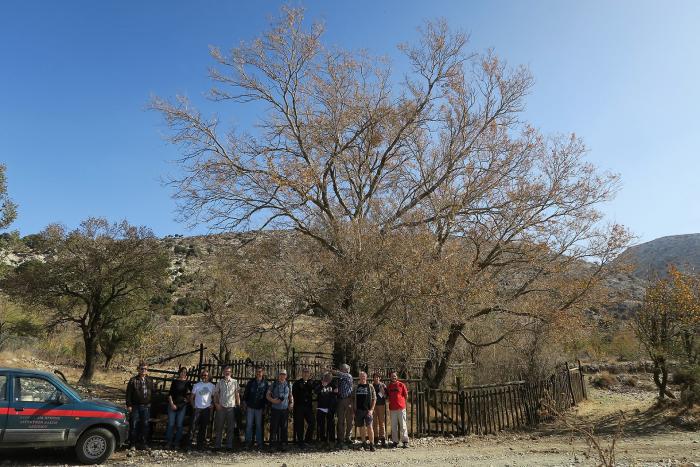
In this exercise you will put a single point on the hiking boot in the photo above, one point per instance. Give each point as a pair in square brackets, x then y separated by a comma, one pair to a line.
[405, 444]
[383, 442]
[372, 448]
[363, 446]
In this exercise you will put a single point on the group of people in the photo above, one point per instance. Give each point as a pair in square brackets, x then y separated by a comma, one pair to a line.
[340, 404]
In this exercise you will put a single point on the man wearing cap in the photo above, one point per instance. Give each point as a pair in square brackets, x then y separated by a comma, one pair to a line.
[345, 407]
[281, 399]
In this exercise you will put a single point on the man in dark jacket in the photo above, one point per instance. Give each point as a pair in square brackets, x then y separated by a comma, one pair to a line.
[254, 403]
[327, 400]
[303, 391]
[139, 391]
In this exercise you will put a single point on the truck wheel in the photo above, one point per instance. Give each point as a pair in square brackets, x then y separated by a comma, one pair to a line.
[95, 446]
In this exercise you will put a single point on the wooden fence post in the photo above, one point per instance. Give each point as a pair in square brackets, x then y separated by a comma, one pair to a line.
[583, 381]
[568, 380]
[201, 358]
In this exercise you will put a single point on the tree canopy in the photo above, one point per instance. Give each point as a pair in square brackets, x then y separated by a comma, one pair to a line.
[477, 213]
[95, 277]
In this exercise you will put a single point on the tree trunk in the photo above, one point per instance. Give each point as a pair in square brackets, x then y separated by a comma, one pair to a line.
[108, 358]
[661, 377]
[222, 348]
[345, 352]
[90, 358]
[436, 366]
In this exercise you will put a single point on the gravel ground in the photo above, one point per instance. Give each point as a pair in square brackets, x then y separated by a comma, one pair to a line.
[673, 448]
[651, 438]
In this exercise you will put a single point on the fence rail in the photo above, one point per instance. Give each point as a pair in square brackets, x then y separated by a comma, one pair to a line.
[471, 410]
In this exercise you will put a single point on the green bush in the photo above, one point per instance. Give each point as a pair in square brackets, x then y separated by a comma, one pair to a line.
[688, 378]
[188, 306]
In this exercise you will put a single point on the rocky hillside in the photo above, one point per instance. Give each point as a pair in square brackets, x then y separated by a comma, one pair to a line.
[651, 259]
[189, 254]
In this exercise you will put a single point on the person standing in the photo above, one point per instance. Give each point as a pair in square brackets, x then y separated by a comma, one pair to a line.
[282, 400]
[226, 399]
[139, 392]
[201, 405]
[254, 403]
[379, 425]
[364, 401]
[178, 398]
[327, 400]
[303, 391]
[397, 406]
[344, 408]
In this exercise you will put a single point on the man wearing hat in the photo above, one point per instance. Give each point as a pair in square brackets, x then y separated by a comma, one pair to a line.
[280, 397]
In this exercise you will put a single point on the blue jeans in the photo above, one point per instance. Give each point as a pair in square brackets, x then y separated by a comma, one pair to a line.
[175, 418]
[139, 424]
[253, 415]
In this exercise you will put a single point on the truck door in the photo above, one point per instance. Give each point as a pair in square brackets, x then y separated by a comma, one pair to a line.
[4, 403]
[37, 414]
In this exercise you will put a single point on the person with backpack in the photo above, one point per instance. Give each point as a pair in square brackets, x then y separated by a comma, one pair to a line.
[254, 400]
[281, 401]
[397, 406]
[344, 408]
[379, 425]
[364, 400]
[327, 400]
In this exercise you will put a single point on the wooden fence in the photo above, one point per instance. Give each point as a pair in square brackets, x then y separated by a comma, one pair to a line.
[471, 410]
[492, 408]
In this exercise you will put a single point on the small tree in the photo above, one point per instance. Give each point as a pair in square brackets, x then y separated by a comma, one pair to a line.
[8, 209]
[667, 320]
[226, 291]
[94, 276]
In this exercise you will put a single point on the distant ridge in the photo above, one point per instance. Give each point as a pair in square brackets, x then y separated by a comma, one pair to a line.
[651, 259]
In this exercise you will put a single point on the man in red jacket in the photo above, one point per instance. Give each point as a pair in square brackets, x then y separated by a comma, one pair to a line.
[397, 406]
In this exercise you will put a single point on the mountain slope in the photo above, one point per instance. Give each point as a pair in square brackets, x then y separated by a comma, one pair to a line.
[651, 259]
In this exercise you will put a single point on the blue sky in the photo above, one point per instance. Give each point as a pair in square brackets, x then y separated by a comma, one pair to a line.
[76, 77]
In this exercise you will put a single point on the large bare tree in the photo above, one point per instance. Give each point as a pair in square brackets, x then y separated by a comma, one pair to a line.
[347, 154]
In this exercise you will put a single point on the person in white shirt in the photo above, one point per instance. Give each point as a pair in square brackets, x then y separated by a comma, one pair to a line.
[226, 399]
[202, 398]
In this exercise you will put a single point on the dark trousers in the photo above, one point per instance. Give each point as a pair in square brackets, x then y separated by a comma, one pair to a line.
[200, 422]
[139, 423]
[278, 426]
[326, 425]
[303, 414]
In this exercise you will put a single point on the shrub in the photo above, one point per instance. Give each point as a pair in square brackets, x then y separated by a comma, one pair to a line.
[188, 306]
[603, 380]
[688, 378]
[180, 250]
[629, 380]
